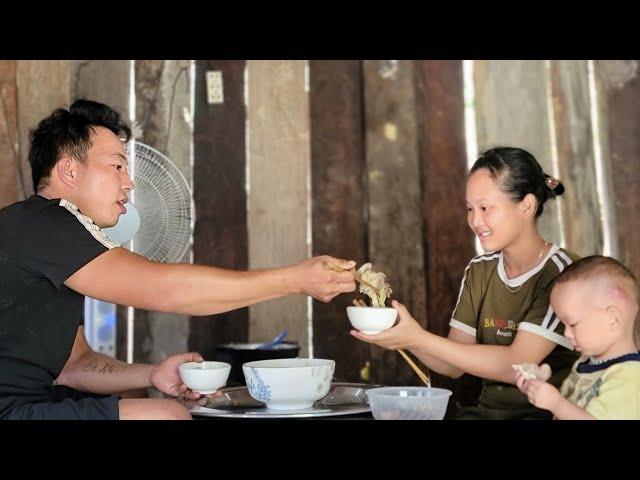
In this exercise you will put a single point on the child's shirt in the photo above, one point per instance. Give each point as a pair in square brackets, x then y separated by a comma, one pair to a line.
[609, 390]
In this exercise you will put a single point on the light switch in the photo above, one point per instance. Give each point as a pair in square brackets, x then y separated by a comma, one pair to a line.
[215, 94]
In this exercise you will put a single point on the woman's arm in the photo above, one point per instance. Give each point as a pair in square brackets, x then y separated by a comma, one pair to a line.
[444, 368]
[451, 357]
[493, 362]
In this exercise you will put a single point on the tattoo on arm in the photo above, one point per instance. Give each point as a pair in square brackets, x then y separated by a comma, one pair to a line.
[106, 368]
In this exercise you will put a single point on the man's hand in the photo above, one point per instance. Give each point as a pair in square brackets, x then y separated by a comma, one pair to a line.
[316, 278]
[166, 378]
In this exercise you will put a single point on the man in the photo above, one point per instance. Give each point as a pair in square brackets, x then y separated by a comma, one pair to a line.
[53, 252]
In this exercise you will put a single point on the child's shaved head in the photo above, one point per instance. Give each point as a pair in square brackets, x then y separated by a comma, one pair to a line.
[606, 276]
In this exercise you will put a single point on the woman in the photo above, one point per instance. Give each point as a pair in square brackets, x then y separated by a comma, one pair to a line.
[502, 316]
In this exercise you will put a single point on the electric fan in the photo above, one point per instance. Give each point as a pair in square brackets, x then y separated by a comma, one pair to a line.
[162, 198]
[159, 217]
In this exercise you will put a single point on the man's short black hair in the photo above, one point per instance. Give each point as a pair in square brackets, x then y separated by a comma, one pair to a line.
[68, 132]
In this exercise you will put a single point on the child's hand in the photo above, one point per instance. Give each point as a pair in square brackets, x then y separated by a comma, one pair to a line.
[403, 335]
[540, 394]
[166, 378]
[531, 370]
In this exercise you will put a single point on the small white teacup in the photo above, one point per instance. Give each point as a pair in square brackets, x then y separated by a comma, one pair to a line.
[204, 377]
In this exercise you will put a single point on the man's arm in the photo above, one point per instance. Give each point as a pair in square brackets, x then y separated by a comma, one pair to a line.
[93, 372]
[122, 277]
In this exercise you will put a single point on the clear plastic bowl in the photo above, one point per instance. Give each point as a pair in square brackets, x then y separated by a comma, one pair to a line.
[408, 403]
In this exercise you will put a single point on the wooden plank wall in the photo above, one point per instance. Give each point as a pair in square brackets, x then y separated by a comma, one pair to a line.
[104, 81]
[394, 198]
[339, 197]
[10, 189]
[43, 85]
[220, 232]
[511, 110]
[448, 243]
[576, 159]
[620, 94]
[601, 72]
[622, 97]
[279, 163]
[163, 96]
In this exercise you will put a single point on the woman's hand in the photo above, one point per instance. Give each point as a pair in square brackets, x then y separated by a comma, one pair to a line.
[404, 334]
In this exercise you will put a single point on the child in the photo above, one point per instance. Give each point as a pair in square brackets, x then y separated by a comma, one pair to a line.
[596, 298]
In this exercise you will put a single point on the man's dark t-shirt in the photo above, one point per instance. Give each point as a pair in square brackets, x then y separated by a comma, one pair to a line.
[42, 243]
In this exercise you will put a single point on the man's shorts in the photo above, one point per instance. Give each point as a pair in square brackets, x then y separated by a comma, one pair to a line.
[65, 403]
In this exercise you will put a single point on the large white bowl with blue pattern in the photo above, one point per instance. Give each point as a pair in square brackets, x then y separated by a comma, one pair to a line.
[289, 383]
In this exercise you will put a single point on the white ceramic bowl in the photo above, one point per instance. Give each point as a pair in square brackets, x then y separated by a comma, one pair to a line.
[408, 403]
[372, 319]
[204, 377]
[289, 383]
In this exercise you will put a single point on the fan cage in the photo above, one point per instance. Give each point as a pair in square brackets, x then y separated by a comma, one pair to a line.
[164, 201]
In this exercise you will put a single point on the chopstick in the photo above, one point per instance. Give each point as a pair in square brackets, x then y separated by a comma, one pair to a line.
[336, 268]
[423, 376]
[365, 283]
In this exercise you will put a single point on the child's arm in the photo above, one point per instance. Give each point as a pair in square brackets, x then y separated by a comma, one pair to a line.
[565, 410]
[546, 396]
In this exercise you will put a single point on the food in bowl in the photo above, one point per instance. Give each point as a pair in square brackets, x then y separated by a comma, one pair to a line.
[204, 377]
[289, 383]
[373, 284]
[378, 317]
